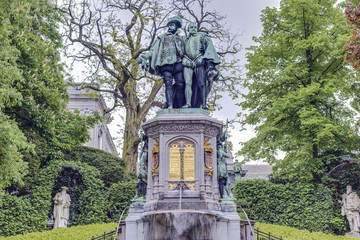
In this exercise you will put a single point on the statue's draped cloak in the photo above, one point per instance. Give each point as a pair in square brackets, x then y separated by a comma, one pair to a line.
[210, 53]
[163, 52]
[205, 47]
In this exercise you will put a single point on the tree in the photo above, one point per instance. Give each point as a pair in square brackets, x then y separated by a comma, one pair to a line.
[33, 95]
[299, 88]
[352, 13]
[111, 35]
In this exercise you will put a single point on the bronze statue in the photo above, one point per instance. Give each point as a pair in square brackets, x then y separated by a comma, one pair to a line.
[165, 58]
[222, 155]
[200, 59]
[143, 167]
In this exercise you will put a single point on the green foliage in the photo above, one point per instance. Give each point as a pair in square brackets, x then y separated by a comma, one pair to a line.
[15, 215]
[348, 175]
[12, 142]
[33, 95]
[290, 233]
[73, 233]
[119, 197]
[299, 88]
[112, 169]
[32, 211]
[304, 206]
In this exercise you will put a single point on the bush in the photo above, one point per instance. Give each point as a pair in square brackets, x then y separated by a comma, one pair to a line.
[119, 196]
[304, 206]
[19, 215]
[112, 168]
[73, 233]
[15, 215]
[290, 233]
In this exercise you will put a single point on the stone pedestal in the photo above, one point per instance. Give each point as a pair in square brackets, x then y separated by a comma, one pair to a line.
[192, 129]
[182, 180]
[353, 234]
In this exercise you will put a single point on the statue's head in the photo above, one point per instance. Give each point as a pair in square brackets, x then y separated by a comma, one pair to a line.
[348, 189]
[174, 23]
[192, 28]
[64, 188]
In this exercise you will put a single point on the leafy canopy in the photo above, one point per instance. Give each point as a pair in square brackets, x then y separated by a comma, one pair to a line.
[298, 88]
[33, 94]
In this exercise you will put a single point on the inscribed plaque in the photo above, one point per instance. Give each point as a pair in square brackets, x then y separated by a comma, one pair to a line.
[189, 162]
[174, 162]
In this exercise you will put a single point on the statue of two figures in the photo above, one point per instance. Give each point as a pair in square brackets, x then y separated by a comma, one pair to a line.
[142, 171]
[61, 208]
[188, 65]
[350, 207]
[223, 176]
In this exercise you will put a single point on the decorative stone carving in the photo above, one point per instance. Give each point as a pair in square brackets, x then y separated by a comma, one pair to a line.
[181, 128]
[155, 158]
[212, 131]
[209, 130]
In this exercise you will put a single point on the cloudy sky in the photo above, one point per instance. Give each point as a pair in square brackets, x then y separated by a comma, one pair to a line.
[243, 16]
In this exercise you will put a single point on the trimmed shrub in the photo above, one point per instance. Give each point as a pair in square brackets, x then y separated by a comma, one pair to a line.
[73, 233]
[32, 211]
[16, 215]
[290, 233]
[119, 196]
[112, 168]
[304, 206]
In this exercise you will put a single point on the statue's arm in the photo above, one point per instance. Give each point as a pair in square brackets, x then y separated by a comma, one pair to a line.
[146, 56]
[56, 198]
[154, 48]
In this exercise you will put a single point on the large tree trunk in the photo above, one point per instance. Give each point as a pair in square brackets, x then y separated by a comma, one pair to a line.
[131, 139]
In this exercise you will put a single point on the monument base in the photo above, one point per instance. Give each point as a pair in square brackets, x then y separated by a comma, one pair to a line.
[183, 224]
[353, 234]
[183, 197]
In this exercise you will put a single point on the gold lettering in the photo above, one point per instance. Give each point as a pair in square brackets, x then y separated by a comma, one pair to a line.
[175, 162]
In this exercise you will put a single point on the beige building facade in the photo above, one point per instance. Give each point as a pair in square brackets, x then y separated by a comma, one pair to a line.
[100, 134]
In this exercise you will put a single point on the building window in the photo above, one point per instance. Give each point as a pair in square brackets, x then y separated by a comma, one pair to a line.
[100, 139]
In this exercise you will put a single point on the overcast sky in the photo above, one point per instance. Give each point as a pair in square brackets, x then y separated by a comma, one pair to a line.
[242, 16]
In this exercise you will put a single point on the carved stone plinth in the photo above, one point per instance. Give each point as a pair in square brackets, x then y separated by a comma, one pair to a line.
[169, 133]
[182, 176]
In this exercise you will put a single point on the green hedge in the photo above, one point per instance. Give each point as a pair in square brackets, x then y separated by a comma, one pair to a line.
[119, 196]
[16, 214]
[304, 206]
[30, 213]
[112, 169]
[73, 233]
[290, 233]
